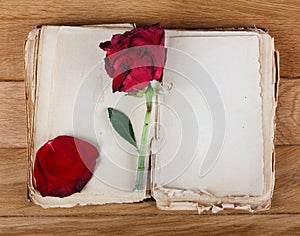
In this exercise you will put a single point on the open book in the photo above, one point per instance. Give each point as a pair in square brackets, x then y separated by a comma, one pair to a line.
[211, 137]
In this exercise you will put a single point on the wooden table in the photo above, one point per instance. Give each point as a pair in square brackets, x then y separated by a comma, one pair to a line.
[17, 215]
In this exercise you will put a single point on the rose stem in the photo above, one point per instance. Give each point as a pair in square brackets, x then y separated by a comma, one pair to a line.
[144, 139]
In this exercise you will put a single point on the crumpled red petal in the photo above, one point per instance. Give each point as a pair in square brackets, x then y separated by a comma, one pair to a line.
[64, 166]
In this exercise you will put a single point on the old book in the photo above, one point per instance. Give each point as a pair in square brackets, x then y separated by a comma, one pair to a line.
[212, 136]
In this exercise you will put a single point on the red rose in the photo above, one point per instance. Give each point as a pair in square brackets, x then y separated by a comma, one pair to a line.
[63, 166]
[135, 58]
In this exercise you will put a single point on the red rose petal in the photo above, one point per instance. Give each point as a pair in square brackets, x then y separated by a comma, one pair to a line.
[63, 166]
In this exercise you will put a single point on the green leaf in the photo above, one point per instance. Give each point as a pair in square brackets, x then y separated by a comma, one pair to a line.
[122, 125]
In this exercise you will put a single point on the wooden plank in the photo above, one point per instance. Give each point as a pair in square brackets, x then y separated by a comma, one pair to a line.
[13, 118]
[153, 225]
[288, 113]
[286, 196]
[281, 18]
[12, 115]
[13, 202]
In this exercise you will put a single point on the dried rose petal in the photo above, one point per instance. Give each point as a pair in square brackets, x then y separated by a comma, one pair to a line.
[63, 166]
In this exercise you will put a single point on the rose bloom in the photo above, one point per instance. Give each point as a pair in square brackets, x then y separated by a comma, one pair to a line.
[135, 58]
[63, 166]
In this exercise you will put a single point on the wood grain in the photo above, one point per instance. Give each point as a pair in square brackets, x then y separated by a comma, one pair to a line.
[288, 113]
[18, 216]
[280, 17]
[13, 201]
[12, 114]
[154, 225]
[13, 117]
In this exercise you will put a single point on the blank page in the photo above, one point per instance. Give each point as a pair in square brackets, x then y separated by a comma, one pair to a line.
[212, 118]
[74, 92]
